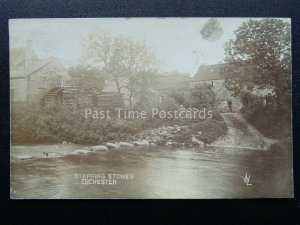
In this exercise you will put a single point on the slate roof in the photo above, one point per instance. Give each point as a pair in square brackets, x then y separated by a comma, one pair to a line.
[210, 72]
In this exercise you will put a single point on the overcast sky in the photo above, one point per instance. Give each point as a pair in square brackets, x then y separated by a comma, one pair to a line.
[177, 41]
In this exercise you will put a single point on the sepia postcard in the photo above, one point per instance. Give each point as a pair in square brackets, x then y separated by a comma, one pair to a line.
[151, 108]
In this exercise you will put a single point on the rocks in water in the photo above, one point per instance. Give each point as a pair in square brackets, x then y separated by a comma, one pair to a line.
[169, 143]
[174, 144]
[153, 144]
[54, 155]
[23, 157]
[81, 151]
[65, 143]
[50, 155]
[175, 135]
[142, 143]
[197, 141]
[99, 148]
[160, 142]
[145, 143]
[125, 144]
[45, 154]
[112, 145]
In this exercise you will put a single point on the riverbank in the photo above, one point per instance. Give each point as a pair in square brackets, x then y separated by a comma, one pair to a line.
[229, 130]
[38, 127]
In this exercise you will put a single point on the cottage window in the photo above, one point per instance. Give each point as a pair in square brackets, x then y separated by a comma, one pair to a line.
[59, 80]
[43, 82]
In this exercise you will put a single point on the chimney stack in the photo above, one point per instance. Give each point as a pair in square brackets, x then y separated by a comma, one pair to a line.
[29, 54]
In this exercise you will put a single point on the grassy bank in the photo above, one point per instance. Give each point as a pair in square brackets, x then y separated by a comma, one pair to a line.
[34, 126]
[272, 122]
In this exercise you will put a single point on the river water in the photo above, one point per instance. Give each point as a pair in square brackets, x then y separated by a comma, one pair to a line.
[156, 173]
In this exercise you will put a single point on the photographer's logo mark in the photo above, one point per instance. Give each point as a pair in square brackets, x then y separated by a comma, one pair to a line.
[246, 179]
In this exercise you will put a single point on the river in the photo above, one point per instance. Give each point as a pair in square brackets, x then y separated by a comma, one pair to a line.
[157, 173]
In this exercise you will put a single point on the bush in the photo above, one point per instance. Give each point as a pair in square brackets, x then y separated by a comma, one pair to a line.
[210, 130]
[30, 125]
[271, 121]
[217, 117]
[35, 126]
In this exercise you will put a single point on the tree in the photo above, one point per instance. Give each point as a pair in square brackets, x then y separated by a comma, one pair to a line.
[137, 65]
[98, 48]
[99, 51]
[202, 96]
[259, 56]
[131, 63]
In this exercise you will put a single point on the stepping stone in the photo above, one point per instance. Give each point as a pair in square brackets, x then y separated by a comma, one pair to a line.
[99, 148]
[81, 152]
[125, 144]
[112, 145]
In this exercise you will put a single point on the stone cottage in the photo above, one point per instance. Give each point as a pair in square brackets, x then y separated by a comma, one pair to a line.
[211, 75]
[32, 78]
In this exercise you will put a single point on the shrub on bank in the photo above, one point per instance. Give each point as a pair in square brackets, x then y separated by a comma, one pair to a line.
[209, 130]
[31, 125]
[271, 121]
